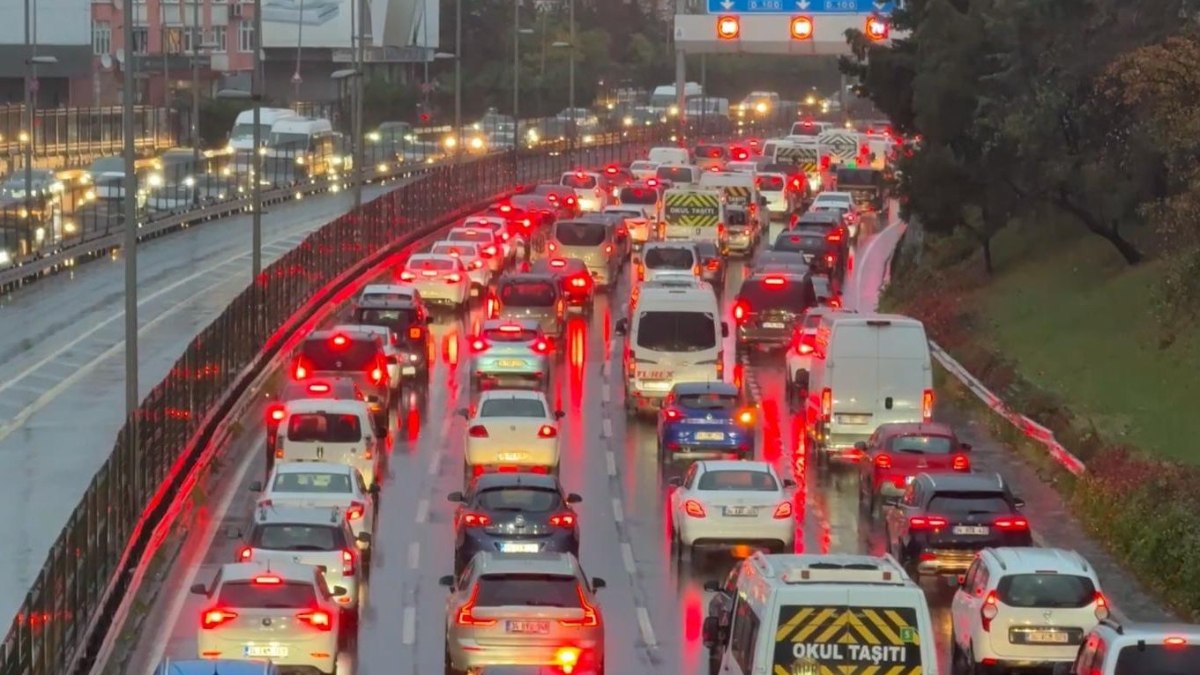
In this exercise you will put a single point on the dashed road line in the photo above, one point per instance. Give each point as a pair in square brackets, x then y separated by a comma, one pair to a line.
[618, 511]
[422, 511]
[627, 558]
[414, 555]
[611, 460]
[410, 625]
[607, 429]
[647, 628]
[607, 391]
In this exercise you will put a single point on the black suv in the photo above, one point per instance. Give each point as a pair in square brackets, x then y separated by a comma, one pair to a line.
[767, 307]
[408, 319]
[824, 251]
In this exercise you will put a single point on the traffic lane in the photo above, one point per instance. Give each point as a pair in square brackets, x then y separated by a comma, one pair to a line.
[414, 591]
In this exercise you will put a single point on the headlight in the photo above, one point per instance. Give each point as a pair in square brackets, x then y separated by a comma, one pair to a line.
[628, 121]
[5, 258]
[374, 137]
[532, 135]
[382, 168]
[476, 143]
[673, 110]
[89, 195]
[300, 160]
[810, 100]
[588, 138]
[761, 108]
[69, 227]
[450, 142]
[155, 180]
[189, 181]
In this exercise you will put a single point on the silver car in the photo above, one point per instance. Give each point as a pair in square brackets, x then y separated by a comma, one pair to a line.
[524, 609]
[530, 296]
[507, 352]
[592, 240]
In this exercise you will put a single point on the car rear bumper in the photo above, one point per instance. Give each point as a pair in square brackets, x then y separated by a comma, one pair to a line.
[467, 653]
[718, 531]
[318, 653]
[757, 335]
[939, 562]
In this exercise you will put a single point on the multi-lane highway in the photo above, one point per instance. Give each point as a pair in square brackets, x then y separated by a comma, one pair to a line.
[653, 605]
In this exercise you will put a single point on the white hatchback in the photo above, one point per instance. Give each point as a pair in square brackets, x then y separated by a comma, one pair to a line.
[472, 258]
[514, 428]
[492, 248]
[321, 485]
[730, 503]
[441, 279]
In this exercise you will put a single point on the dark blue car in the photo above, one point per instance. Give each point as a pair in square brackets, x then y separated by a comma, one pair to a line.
[701, 420]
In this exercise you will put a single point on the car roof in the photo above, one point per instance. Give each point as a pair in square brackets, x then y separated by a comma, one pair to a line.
[830, 215]
[330, 405]
[388, 303]
[913, 428]
[418, 257]
[312, 467]
[544, 266]
[455, 244]
[735, 465]
[511, 394]
[364, 327]
[525, 324]
[285, 569]
[1148, 631]
[526, 277]
[298, 515]
[713, 387]
[966, 482]
[491, 481]
[334, 382]
[388, 289]
[1022, 560]
[839, 195]
[667, 244]
[471, 229]
[488, 562]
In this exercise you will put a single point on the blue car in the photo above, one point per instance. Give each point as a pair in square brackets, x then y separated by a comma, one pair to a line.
[703, 420]
[215, 667]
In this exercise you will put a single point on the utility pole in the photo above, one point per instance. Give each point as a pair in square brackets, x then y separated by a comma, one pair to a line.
[196, 39]
[29, 118]
[256, 96]
[516, 75]
[571, 84]
[132, 431]
[458, 57]
[359, 92]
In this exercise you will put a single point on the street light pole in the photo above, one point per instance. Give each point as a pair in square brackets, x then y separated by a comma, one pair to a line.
[458, 56]
[29, 118]
[571, 86]
[196, 39]
[516, 74]
[256, 96]
[129, 249]
[359, 92]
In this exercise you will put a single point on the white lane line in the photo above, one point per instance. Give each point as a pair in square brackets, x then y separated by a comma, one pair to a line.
[647, 629]
[422, 511]
[618, 512]
[627, 558]
[611, 460]
[410, 625]
[435, 463]
[607, 428]
[175, 608]
[604, 369]
[607, 391]
[414, 555]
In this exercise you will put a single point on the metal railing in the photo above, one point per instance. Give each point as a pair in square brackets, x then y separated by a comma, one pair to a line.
[79, 133]
[70, 607]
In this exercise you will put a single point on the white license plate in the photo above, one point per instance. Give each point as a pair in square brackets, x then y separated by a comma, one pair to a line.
[773, 324]
[656, 386]
[265, 651]
[1049, 637]
[510, 363]
[518, 547]
[853, 419]
[408, 370]
[710, 435]
[970, 529]
[740, 511]
[512, 456]
[535, 627]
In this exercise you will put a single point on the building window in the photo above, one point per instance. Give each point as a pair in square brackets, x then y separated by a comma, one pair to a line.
[101, 38]
[218, 37]
[246, 36]
[192, 34]
[141, 40]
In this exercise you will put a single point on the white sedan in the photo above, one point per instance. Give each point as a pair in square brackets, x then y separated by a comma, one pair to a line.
[472, 258]
[490, 245]
[441, 279]
[727, 504]
[321, 485]
[511, 428]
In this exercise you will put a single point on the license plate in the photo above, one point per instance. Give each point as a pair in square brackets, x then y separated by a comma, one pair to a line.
[512, 456]
[854, 419]
[740, 511]
[656, 385]
[510, 363]
[517, 547]
[534, 627]
[1049, 637]
[408, 370]
[710, 436]
[970, 529]
[265, 651]
[773, 324]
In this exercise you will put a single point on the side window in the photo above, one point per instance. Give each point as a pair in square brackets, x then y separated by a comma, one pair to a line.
[744, 635]
[465, 576]
[969, 577]
[689, 481]
[982, 576]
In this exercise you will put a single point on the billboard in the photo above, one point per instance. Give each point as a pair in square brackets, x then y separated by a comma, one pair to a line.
[327, 24]
[56, 22]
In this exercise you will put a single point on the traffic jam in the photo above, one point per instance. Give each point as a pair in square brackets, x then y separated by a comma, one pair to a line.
[707, 271]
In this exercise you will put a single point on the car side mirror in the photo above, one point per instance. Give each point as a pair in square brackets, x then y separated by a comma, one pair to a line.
[861, 446]
[463, 413]
[598, 583]
[339, 591]
[256, 486]
[1018, 502]
[965, 447]
[558, 414]
[622, 327]
[456, 497]
[789, 483]
[574, 498]
[712, 586]
[675, 481]
[199, 589]
[447, 581]
[233, 532]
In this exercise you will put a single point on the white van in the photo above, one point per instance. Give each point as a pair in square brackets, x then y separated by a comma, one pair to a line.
[300, 146]
[241, 136]
[588, 189]
[669, 155]
[679, 175]
[327, 430]
[742, 203]
[867, 370]
[674, 335]
[810, 614]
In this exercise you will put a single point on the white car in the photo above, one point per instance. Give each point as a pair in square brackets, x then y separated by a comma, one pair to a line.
[588, 192]
[472, 258]
[643, 169]
[390, 351]
[1024, 607]
[275, 612]
[511, 427]
[441, 279]
[829, 200]
[729, 503]
[491, 247]
[636, 222]
[499, 225]
[402, 292]
[742, 167]
[325, 430]
[322, 485]
[799, 354]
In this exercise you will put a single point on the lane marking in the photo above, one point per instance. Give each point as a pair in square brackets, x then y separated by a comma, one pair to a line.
[607, 430]
[414, 555]
[435, 463]
[647, 628]
[422, 511]
[410, 625]
[607, 392]
[611, 460]
[627, 558]
[604, 369]
[618, 512]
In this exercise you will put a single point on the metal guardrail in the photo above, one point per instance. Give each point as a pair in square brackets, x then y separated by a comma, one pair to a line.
[114, 530]
[81, 132]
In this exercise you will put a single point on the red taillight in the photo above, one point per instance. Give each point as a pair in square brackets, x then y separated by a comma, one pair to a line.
[774, 282]
[1011, 524]
[552, 246]
[712, 265]
[1102, 611]
[989, 610]
[318, 388]
[541, 347]
[477, 431]
[784, 510]
[608, 248]
[276, 413]
[807, 344]
[547, 431]
[215, 617]
[348, 560]
[376, 374]
[558, 262]
[478, 345]
[453, 277]
[961, 463]
[883, 462]
[829, 259]
[267, 580]
[317, 618]
[340, 340]
[591, 618]
[489, 251]
[475, 520]
[407, 276]
[244, 554]
[927, 523]
[416, 333]
[301, 370]
[826, 404]
[741, 311]
[745, 417]
[927, 405]
[693, 508]
[1175, 642]
[356, 511]
[563, 520]
[466, 615]
[672, 414]
[579, 282]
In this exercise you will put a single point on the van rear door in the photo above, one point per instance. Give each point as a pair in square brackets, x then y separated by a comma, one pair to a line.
[859, 635]
[904, 373]
[853, 379]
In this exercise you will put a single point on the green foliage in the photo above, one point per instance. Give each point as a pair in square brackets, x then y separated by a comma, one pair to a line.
[216, 119]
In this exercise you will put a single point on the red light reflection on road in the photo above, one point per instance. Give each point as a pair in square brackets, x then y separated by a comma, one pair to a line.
[412, 419]
[693, 648]
[739, 374]
[577, 355]
[772, 446]
[450, 348]
[606, 321]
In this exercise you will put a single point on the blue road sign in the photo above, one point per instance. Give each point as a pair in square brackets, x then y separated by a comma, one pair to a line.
[881, 7]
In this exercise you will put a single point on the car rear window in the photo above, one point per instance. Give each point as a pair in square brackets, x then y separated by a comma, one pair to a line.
[355, 355]
[675, 174]
[807, 242]
[512, 407]
[287, 595]
[312, 483]
[710, 152]
[393, 318]
[324, 427]
[1158, 660]
[457, 250]
[708, 401]
[738, 479]
[479, 235]
[1067, 591]
[576, 233]
[923, 444]
[281, 537]
[677, 331]
[771, 183]
[812, 320]
[965, 503]
[528, 294]
[763, 293]
[581, 181]
[436, 264]
[665, 258]
[857, 177]
[525, 590]
[519, 499]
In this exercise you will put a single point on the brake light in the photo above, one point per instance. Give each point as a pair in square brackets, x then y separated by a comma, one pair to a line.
[741, 311]
[927, 523]
[567, 658]
[276, 413]
[347, 562]
[301, 371]
[570, 200]
[826, 404]
[267, 580]
[563, 520]
[318, 388]
[407, 276]
[746, 417]
[558, 262]
[591, 618]
[415, 333]
[774, 281]
[829, 259]
[989, 610]
[215, 617]
[541, 347]
[784, 510]
[547, 431]
[475, 520]
[927, 405]
[317, 618]
[961, 463]
[1102, 611]
[376, 374]
[579, 282]
[339, 340]
[466, 616]
[356, 511]
[883, 462]
[489, 251]
[478, 431]
[478, 345]
[693, 508]
[672, 414]
[807, 344]
[552, 246]
[608, 248]
[712, 265]
[244, 553]
[454, 277]
[1011, 524]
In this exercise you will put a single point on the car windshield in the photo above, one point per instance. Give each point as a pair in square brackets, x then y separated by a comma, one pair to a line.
[326, 354]
[923, 445]
[675, 174]
[472, 235]
[710, 152]
[670, 258]
[513, 407]
[708, 401]
[582, 181]
[392, 318]
[527, 590]
[285, 537]
[1158, 660]
[528, 294]
[857, 177]
[432, 264]
[802, 242]
[247, 594]
[324, 428]
[771, 183]
[280, 139]
[1067, 591]
[776, 292]
[577, 233]
[738, 479]
[523, 499]
[312, 483]
[968, 503]
[677, 331]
